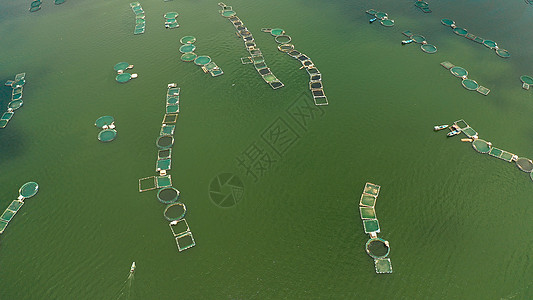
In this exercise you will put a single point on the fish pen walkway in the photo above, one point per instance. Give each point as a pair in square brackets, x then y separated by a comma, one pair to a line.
[28, 190]
[485, 147]
[256, 56]
[375, 247]
[16, 98]
[315, 77]
[462, 73]
[175, 210]
[487, 43]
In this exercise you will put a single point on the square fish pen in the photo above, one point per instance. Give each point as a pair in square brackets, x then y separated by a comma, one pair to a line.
[182, 234]
[170, 119]
[383, 265]
[469, 132]
[371, 226]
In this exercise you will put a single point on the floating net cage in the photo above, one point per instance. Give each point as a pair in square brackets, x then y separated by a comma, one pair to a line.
[490, 44]
[228, 13]
[371, 226]
[202, 60]
[170, 15]
[173, 100]
[104, 121]
[483, 90]
[377, 248]
[185, 241]
[170, 118]
[168, 195]
[187, 48]
[3, 123]
[123, 78]
[383, 265]
[526, 79]
[277, 31]
[167, 130]
[417, 38]
[163, 164]
[28, 190]
[387, 22]
[367, 213]
[367, 200]
[470, 132]
[164, 142]
[421, 4]
[283, 39]
[174, 108]
[371, 189]
[36, 3]
[460, 31]
[59, 2]
[381, 15]
[175, 211]
[428, 48]
[107, 135]
[7, 116]
[285, 47]
[35, 8]
[162, 154]
[481, 146]
[524, 164]
[14, 105]
[121, 66]
[458, 71]
[179, 227]
[189, 39]
[470, 84]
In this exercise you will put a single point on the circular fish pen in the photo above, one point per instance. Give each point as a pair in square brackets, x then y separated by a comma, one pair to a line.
[228, 13]
[29, 189]
[421, 4]
[170, 15]
[189, 56]
[202, 60]
[187, 48]
[524, 164]
[447, 22]
[282, 39]
[123, 78]
[104, 121]
[503, 53]
[189, 39]
[428, 48]
[277, 31]
[15, 104]
[121, 66]
[168, 195]
[164, 142]
[175, 211]
[377, 248]
[526, 79]
[285, 47]
[481, 146]
[387, 22]
[381, 15]
[459, 72]
[460, 31]
[490, 44]
[417, 38]
[470, 84]
[107, 135]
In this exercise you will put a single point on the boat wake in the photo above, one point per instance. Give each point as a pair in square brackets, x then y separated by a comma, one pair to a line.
[126, 291]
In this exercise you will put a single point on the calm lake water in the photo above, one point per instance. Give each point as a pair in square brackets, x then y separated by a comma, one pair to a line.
[459, 223]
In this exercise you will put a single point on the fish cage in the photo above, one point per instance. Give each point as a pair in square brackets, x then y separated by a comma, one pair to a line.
[277, 32]
[185, 241]
[179, 227]
[163, 181]
[371, 226]
[163, 164]
[28, 190]
[377, 248]
[367, 213]
[383, 265]
[387, 22]
[147, 184]
[459, 72]
[165, 141]
[170, 118]
[428, 48]
[123, 78]
[168, 195]
[173, 108]
[483, 90]
[524, 164]
[381, 15]
[175, 211]
[216, 72]
[283, 39]
[171, 15]
[15, 104]
[481, 146]
[285, 47]
[202, 60]
[228, 13]
[417, 38]
[107, 135]
[188, 39]
[470, 84]
[460, 31]
[104, 121]
[173, 100]
[276, 84]
[187, 48]
[526, 79]
[164, 154]
[371, 189]
[121, 66]
[367, 200]
[167, 130]
[462, 124]
[490, 44]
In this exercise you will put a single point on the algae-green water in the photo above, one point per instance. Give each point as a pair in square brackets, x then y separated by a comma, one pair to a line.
[458, 222]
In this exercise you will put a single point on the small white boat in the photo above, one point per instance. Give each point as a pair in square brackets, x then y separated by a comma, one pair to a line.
[132, 269]
[453, 132]
[439, 127]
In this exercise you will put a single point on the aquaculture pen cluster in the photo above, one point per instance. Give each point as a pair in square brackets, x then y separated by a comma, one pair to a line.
[36, 5]
[315, 77]
[121, 76]
[423, 6]
[106, 124]
[170, 20]
[488, 43]
[16, 98]
[419, 39]
[174, 211]
[375, 247]
[484, 147]
[204, 62]
[28, 190]
[140, 22]
[462, 73]
[256, 56]
[381, 16]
